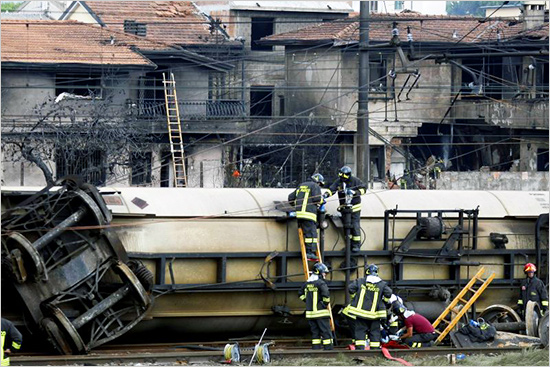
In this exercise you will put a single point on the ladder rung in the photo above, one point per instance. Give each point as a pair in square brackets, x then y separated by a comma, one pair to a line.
[462, 300]
[445, 321]
[471, 289]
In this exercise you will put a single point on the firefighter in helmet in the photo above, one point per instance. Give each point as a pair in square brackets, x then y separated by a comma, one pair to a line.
[316, 295]
[532, 289]
[306, 199]
[348, 185]
[369, 307]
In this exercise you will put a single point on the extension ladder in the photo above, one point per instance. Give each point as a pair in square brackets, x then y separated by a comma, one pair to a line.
[306, 268]
[467, 303]
[174, 131]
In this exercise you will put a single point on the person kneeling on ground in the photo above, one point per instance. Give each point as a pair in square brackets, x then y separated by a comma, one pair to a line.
[419, 332]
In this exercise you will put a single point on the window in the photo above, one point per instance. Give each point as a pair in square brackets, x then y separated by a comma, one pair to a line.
[133, 27]
[281, 105]
[374, 6]
[378, 73]
[542, 160]
[261, 27]
[88, 85]
[399, 5]
[89, 165]
[141, 167]
[261, 100]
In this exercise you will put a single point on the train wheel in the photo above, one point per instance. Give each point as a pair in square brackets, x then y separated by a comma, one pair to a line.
[97, 217]
[543, 330]
[532, 315]
[31, 259]
[78, 345]
[130, 278]
[500, 314]
[55, 336]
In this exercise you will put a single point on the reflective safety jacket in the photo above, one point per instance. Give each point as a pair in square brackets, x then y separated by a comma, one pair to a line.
[316, 295]
[11, 339]
[306, 198]
[372, 293]
[352, 183]
[533, 289]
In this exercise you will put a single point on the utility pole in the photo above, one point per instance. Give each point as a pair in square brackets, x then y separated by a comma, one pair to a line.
[363, 148]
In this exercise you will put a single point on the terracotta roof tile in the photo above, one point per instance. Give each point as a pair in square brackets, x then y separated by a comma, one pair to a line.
[426, 29]
[50, 41]
[174, 22]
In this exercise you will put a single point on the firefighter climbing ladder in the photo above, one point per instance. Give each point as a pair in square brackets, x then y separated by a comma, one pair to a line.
[306, 268]
[174, 131]
[460, 298]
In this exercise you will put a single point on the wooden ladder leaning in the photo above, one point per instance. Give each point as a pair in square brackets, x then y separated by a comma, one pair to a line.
[174, 130]
[306, 268]
[467, 303]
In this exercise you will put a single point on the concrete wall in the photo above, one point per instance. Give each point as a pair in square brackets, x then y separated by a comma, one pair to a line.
[525, 181]
[204, 166]
[332, 76]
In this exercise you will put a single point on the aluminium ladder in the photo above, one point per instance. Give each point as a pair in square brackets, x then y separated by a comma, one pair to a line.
[306, 268]
[174, 131]
[467, 303]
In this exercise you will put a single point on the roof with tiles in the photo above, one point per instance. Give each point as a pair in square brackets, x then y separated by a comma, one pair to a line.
[71, 42]
[437, 28]
[174, 22]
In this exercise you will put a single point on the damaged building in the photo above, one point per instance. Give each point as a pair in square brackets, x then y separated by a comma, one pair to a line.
[473, 94]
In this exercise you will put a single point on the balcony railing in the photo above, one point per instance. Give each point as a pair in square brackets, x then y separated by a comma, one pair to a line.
[194, 110]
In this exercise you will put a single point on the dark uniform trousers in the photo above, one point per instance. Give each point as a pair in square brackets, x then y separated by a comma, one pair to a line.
[320, 332]
[355, 231]
[310, 234]
[369, 328]
[420, 340]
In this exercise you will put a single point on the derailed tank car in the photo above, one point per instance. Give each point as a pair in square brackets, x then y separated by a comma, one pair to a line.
[228, 260]
[64, 273]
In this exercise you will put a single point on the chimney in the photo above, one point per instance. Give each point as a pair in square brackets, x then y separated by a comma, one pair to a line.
[533, 14]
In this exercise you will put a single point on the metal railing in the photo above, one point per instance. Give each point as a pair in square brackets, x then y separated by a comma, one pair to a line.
[194, 110]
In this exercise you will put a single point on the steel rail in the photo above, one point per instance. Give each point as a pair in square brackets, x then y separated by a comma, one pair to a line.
[217, 356]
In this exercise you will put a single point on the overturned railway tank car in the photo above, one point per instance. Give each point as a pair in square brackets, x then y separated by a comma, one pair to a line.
[228, 261]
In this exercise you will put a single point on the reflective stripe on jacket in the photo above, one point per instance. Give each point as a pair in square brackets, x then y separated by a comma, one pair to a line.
[369, 300]
[305, 200]
[317, 297]
[11, 339]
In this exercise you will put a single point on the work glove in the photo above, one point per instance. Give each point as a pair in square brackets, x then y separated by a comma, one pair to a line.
[325, 195]
[322, 208]
[350, 192]
[394, 337]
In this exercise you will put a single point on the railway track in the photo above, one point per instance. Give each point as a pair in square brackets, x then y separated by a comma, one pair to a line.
[183, 354]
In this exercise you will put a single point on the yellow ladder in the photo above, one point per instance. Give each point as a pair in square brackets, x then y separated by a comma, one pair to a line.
[174, 130]
[461, 298]
[306, 268]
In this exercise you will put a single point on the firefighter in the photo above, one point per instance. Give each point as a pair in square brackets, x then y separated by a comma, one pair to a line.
[306, 199]
[368, 306]
[419, 332]
[532, 289]
[316, 295]
[346, 184]
[11, 339]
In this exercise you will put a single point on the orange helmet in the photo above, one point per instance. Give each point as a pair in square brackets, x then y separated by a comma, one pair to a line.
[529, 267]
